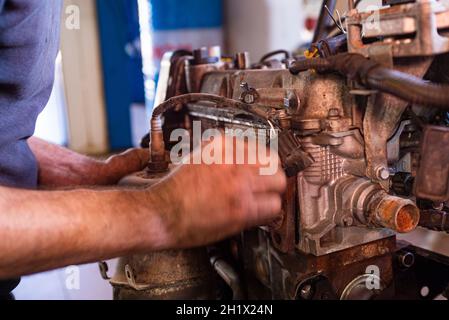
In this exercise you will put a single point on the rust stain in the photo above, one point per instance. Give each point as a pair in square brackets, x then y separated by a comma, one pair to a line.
[406, 220]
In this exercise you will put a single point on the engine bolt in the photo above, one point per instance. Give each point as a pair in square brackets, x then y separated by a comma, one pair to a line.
[348, 221]
[334, 114]
[383, 173]
[406, 259]
[249, 99]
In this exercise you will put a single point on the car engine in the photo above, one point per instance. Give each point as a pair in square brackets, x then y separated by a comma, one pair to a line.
[361, 117]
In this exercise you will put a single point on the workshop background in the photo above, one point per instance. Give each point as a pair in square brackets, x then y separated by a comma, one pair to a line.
[106, 80]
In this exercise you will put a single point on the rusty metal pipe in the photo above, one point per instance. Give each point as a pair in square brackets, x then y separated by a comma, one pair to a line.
[255, 109]
[398, 214]
[302, 65]
[158, 163]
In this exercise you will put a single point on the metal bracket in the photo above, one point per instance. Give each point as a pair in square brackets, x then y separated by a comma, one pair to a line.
[104, 268]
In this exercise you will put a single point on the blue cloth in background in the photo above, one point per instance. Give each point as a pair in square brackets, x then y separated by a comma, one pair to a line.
[122, 68]
[186, 14]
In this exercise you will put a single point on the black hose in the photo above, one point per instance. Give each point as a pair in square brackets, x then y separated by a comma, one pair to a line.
[302, 65]
[375, 76]
[409, 88]
[275, 53]
[331, 46]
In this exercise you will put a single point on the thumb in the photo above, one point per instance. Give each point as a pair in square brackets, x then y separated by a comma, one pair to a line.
[128, 162]
[134, 160]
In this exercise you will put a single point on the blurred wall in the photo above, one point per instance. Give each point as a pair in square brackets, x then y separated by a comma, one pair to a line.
[261, 26]
[51, 124]
[83, 79]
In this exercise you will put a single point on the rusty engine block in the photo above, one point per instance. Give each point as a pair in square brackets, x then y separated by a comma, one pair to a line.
[364, 139]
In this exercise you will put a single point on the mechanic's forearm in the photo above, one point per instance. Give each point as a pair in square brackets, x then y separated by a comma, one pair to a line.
[40, 231]
[61, 167]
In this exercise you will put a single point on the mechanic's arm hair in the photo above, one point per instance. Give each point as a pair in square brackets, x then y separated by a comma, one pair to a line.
[40, 231]
[61, 167]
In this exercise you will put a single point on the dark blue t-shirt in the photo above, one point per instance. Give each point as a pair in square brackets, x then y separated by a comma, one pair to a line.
[29, 42]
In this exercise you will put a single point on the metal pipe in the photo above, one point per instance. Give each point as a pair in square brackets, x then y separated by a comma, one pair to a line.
[255, 109]
[398, 214]
[371, 206]
[158, 162]
[228, 273]
[242, 60]
[230, 276]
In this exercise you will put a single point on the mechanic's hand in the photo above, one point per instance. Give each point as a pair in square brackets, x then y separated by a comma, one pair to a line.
[115, 168]
[60, 167]
[202, 204]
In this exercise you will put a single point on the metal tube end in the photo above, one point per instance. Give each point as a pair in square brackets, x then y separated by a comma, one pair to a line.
[400, 215]
[158, 163]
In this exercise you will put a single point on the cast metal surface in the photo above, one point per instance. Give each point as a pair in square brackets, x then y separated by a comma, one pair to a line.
[409, 30]
[169, 275]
